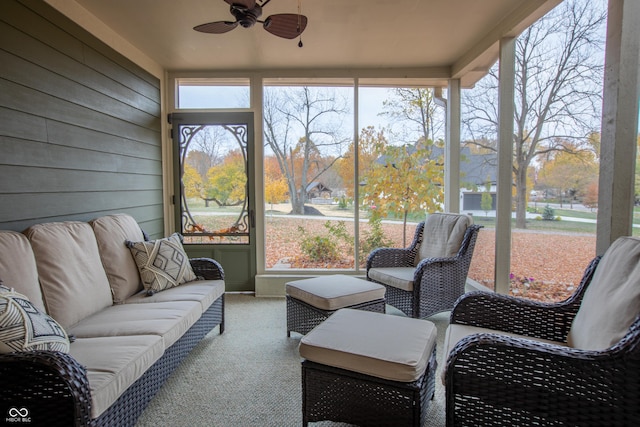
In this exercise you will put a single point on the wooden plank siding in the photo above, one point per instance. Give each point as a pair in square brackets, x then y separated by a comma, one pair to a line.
[80, 129]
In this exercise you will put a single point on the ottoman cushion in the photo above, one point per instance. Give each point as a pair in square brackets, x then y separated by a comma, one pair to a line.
[335, 291]
[384, 346]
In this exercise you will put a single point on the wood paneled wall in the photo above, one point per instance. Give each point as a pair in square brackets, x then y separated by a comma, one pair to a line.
[80, 132]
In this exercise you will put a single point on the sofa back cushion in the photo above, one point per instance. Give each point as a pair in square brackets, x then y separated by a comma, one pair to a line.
[112, 231]
[74, 284]
[442, 236]
[18, 267]
[611, 303]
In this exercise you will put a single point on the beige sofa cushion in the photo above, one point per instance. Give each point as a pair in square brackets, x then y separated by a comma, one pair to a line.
[169, 320]
[18, 267]
[203, 291]
[612, 301]
[443, 234]
[74, 284]
[112, 231]
[389, 347]
[334, 291]
[114, 363]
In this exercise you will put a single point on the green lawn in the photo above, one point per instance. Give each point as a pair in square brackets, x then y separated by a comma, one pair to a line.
[532, 224]
[563, 225]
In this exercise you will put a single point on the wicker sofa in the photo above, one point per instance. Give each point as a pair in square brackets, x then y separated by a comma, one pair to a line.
[123, 341]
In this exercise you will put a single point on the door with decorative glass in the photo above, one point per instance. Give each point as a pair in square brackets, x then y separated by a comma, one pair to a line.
[214, 191]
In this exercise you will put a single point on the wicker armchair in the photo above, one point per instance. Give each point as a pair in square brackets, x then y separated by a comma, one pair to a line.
[520, 362]
[428, 276]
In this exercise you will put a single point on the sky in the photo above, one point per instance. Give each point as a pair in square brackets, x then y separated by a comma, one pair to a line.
[224, 97]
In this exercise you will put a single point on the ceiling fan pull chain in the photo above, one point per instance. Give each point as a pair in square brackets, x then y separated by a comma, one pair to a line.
[299, 25]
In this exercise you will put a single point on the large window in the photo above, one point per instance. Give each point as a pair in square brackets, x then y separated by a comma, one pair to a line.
[556, 140]
[308, 135]
[332, 197]
[400, 163]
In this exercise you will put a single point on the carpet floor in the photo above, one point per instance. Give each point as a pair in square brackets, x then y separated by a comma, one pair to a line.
[250, 375]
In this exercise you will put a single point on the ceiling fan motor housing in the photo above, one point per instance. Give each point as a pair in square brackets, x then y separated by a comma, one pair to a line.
[246, 17]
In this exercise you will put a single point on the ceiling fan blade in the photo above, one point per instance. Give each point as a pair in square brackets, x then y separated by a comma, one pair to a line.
[286, 25]
[249, 4]
[218, 27]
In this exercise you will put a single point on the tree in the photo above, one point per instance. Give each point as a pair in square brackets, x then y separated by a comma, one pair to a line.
[192, 182]
[568, 172]
[275, 184]
[558, 90]
[404, 179]
[302, 126]
[415, 110]
[486, 203]
[275, 190]
[590, 198]
[227, 182]
[370, 143]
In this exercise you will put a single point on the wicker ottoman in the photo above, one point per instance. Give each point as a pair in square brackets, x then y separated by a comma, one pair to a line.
[311, 301]
[368, 369]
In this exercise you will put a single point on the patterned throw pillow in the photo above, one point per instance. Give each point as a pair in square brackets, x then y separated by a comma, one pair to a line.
[162, 263]
[25, 328]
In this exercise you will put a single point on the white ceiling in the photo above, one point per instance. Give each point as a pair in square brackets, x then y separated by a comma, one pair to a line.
[436, 39]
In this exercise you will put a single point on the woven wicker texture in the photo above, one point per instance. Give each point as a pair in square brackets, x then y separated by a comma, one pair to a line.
[333, 394]
[303, 317]
[492, 380]
[49, 387]
[438, 282]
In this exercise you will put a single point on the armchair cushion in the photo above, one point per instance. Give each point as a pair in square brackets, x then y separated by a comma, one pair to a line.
[612, 301]
[443, 234]
[398, 277]
[456, 332]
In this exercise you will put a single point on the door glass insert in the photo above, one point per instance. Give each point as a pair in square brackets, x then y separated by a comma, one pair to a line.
[214, 202]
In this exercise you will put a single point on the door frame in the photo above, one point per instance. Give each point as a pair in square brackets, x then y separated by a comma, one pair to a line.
[237, 260]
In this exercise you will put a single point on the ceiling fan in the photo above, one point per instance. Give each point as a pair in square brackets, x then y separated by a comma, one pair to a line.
[248, 12]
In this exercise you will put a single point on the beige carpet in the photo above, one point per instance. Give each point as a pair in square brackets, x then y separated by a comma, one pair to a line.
[250, 375]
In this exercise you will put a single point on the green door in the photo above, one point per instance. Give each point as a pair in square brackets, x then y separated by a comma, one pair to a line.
[215, 193]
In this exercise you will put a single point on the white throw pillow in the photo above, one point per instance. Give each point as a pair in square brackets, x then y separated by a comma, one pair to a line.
[25, 328]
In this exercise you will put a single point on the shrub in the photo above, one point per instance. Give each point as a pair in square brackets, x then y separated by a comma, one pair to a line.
[318, 248]
[548, 214]
[342, 203]
[374, 239]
